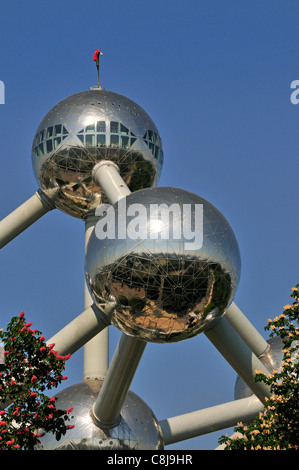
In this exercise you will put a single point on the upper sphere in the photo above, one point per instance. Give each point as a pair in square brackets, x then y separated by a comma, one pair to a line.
[84, 129]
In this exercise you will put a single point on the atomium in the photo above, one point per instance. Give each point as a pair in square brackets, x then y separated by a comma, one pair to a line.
[271, 359]
[84, 129]
[172, 276]
[166, 290]
[138, 428]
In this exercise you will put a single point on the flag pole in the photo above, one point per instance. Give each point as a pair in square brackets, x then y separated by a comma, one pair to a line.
[96, 58]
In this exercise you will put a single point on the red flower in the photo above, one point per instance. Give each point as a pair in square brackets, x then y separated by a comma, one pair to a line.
[2, 423]
[21, 315]
[69, 410]
[42, 349]
[29, 324]
[52, 399]
[42, 338]
[9, 443]
[70, 426]
[33, 378]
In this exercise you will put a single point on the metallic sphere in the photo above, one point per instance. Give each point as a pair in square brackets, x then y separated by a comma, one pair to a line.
[84, 129]
[137, 430]
[272, 360]
[167, 287]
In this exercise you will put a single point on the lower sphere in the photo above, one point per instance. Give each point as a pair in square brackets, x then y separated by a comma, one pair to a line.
[137, 430]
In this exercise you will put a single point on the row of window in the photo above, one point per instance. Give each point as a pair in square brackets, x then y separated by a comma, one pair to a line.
[100, 126]
[154, 143]
[95, 135]
[50, 137]
[99, 140]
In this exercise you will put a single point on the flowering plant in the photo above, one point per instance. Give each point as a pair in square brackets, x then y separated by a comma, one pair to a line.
[277, 427]
[30, 368]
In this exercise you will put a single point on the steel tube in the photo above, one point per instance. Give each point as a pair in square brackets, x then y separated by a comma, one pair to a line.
[215, 418]
[83, 328]
[25, 215]
[239, 356]
[106, 175]
[126, 358]
[246, 330]
[96, 351]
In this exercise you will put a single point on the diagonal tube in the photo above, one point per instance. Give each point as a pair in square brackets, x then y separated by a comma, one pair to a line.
[238, 354]
[82, 329]
[25, 215]
[246, 330]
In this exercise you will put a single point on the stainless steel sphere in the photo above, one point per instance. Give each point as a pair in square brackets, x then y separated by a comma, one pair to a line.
[84, 129]
[167, 288]
[272, 360]
[137, 430]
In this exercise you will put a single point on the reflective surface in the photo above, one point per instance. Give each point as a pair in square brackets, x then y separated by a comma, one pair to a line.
[272, 360]
[84, 129]
[165, 291]
[138, 428]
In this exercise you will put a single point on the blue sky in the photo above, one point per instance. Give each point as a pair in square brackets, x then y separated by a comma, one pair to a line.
[215, 77]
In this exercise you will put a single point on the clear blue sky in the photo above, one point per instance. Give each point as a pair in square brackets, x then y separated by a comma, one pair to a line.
[215, 77]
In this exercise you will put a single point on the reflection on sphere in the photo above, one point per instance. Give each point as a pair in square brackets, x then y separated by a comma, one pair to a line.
[165, 292]
[84, 129]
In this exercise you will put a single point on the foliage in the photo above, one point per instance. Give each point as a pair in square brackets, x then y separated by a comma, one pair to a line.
[277, 428]
[30, 367]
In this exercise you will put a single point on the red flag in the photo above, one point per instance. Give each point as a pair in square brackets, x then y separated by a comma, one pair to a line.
[96, 57]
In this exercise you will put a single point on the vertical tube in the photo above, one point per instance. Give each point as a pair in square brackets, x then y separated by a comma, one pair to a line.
[106, 409]
[96, 351]
[106, 175]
